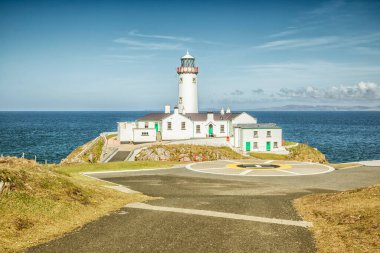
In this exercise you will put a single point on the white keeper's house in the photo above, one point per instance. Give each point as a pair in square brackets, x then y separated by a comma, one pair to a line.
[185, 122]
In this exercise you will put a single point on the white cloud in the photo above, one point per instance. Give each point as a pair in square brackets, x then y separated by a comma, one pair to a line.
[327, 8]
[134, 33]
[360, 91]
[136, 44]
[287, 32]
[296, 43]
[368, 40]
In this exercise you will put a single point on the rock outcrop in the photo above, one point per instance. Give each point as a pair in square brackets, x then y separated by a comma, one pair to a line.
[186, 153]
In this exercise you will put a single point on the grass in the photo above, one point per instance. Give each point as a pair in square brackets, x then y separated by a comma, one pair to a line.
[74, 169]
[340, 166]
[178, 152]
[345, 221]
[288, 143]
[95, 151]
[269, 156]
[110, 136]
[301, 152]
[306, 153]
[42, 202]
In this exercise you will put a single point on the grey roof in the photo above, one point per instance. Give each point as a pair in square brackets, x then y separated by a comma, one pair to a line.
[192, 116]
[258, 126]
[154, 116]
[217, 116]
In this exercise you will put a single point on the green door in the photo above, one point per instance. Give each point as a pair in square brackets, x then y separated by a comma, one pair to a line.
[268, 146]
[248, 146]
[210, 130]
[156, 126]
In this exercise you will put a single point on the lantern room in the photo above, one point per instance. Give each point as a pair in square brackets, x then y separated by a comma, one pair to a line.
[187, 65]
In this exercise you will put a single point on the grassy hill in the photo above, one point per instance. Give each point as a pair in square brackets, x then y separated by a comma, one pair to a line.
[345, 221]
[301, 152]
[40, 202]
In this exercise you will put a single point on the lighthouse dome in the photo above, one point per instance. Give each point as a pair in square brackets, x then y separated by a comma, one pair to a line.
[187, 56]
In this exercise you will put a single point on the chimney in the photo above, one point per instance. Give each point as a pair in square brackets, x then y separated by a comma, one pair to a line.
[176, 110]
[210, 116]
[167, 108]
[228, 110]
[222, 111]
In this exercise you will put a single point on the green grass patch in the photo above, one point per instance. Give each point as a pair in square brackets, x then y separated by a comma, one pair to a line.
[110, 136]
[268, 156]
[71, 169]
[301, 153]
[90, 156]
[340, 166]
[288, 143]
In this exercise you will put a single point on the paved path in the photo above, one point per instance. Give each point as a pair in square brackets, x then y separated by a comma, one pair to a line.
[202, 212]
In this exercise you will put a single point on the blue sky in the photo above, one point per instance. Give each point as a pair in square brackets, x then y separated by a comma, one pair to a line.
[122, 55]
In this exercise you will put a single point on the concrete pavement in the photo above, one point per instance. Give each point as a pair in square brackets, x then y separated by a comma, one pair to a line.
[157, 230]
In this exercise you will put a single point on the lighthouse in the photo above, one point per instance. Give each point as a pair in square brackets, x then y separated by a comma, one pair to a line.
[187, 85]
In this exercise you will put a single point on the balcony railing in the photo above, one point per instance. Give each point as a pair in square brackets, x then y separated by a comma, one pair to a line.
[193, 70]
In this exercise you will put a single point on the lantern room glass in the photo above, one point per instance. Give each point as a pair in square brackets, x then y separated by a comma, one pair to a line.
[187, 62]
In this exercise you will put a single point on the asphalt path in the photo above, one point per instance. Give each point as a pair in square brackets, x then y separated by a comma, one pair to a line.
[145, 230]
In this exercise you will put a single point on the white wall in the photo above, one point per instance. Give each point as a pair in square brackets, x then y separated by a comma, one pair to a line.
[188, 90]
[141, 124]
[244, 118]
[176, 133]
[125, 131]
[262, 139]
[237, 137]
[139, 137]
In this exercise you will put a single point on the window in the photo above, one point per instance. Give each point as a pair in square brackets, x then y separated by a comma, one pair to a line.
[255, 145]
[180, 100]
[180, 80]
[275, 145]
[169, 126]
[146, 125]
[198, 129]
[183, 125]
[144, 133]
[269, 134]
[255, 134]
[222, 128]
[194, 80]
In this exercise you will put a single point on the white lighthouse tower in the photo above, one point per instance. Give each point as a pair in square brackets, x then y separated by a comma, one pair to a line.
[187, 85]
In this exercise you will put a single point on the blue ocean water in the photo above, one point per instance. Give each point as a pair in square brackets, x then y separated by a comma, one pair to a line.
[51, 136]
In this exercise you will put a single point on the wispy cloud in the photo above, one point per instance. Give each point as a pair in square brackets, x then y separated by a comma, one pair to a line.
[128, 57]
[327, 7]
[285, 33]
[297, 43]
[134, 33]
[138, 44]
[368, 40]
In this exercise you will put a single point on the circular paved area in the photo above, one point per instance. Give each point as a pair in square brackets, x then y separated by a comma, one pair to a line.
[261, 168]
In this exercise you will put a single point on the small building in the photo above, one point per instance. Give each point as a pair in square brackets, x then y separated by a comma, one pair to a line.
[258, 137]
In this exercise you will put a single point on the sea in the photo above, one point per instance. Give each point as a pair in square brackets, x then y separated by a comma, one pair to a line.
[50, 136]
